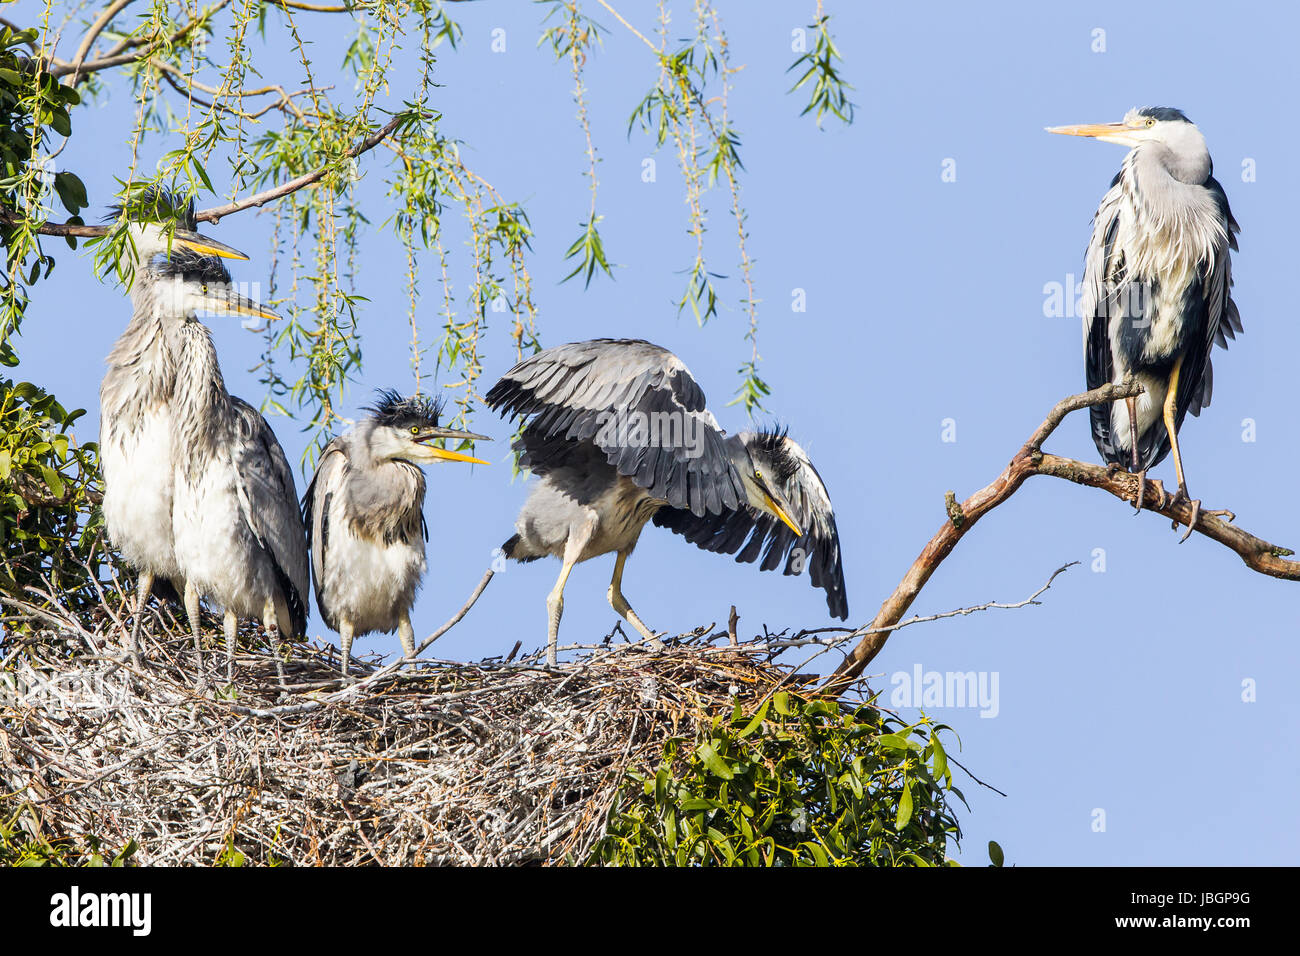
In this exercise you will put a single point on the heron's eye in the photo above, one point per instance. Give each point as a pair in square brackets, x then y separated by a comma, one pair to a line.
[1150, 122]
[415, 429]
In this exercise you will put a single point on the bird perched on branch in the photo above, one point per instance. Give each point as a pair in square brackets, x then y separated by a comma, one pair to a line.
[1156, 297]
[364, 513]
[137, 394]
[238, 533]
[618, 434]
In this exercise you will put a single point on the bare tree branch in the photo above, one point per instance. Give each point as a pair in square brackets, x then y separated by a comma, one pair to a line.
[92, 34]
[1030, 460]
[217, 213]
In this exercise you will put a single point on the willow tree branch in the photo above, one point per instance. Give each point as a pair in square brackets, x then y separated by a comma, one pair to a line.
[217, 213]
[1258, 554]
[92, 34]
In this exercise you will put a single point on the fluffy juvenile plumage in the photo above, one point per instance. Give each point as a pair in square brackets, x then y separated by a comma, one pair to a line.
[137, 452]
[364, 513]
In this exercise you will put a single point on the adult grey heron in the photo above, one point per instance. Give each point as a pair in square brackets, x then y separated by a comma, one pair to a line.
[1156, 296]
[364, 513]
[618, 434]
[135, 434]
[238, 534]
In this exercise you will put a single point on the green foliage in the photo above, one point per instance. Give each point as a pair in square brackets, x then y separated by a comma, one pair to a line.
[22, 843]
[828, 92]
[49, 527]
[33, 105]
[797, 783]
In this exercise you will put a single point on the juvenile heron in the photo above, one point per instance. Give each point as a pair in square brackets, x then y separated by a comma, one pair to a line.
[135, 433]
[1156, 296]
[618, 434]
[238, 533]
[364, 512]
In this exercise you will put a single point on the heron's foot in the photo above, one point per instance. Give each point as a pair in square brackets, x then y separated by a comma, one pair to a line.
[1223, 513]
[1159, 488]
[654, 643]
[1183, 498]
[552, 660]
[1113, 469]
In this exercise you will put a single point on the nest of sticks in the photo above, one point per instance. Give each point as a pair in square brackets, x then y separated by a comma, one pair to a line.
[499, 762]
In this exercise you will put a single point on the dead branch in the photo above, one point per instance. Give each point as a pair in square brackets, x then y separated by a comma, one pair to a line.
[1030, 460]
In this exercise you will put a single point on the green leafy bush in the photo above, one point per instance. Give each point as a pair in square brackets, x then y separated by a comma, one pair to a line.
[797, 783]
[49, 523]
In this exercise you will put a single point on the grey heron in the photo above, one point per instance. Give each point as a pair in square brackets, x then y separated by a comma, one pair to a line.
[364, 513]
[135, 434]
[238, 534]
[1156, 296]
[618, 434]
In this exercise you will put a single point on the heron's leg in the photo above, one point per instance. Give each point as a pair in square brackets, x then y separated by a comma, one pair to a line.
[1137, 469]
[555, 609]
[345, 643]
[406, 634]
[620, 605]
[573, 548]
[271, 624]
[1170, 412]
[230, 624]
[144, 584]
[192, 614]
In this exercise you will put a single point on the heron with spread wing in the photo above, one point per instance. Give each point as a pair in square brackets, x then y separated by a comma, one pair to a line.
[1156, 296]
[618, 434]
[364, 512]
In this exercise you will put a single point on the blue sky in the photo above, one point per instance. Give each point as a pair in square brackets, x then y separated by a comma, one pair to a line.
[925, 299]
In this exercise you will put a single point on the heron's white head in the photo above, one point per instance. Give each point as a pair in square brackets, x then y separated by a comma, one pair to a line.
[1180, 144]
[771, 459]
[403, 429]
[188, 284]
[160, 223]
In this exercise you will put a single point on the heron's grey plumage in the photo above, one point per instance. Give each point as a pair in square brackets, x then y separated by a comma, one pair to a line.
[1157, 281]
[364, 513]
[618, 434]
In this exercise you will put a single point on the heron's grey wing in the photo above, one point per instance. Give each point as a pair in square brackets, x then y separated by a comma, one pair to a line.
[1222, 320]
[269, 501]
[639, 404]
[316, 515]
[1103, 271]
[747, 533]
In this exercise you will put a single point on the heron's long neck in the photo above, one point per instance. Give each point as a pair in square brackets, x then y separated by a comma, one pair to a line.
[144, 349]
[203, 411]
[1180, 221]
[385, 497]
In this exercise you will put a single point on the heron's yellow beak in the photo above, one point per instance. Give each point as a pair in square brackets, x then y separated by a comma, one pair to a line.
[446, 455]
[1106, 132]
[782, 510]
[204, 246]
[232, 303]
[442, 453]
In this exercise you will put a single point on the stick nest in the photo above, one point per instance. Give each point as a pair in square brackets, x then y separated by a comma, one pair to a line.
[440, 763]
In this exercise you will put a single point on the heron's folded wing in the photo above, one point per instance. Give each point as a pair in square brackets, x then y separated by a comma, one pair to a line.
[269, 501]
[316, 512]
[1222, 320]
[1103, 273]
[748, 533]
[636, 402]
